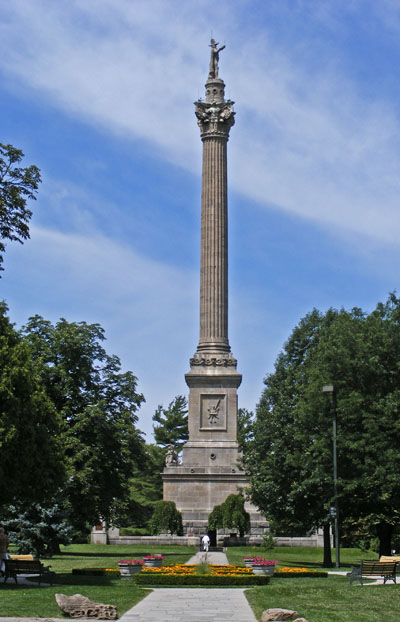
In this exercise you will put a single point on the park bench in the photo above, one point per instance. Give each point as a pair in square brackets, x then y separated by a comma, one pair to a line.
[386, 558]
[15, 567]
[368, 568]
[22, 557]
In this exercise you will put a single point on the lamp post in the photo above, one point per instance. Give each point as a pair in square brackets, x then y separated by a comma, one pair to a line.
[334, 510]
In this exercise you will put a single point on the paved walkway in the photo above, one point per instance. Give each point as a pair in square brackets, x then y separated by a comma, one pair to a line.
[220, 559]
[192, 605]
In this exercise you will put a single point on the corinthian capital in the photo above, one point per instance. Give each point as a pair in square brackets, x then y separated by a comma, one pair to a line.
[214, 118]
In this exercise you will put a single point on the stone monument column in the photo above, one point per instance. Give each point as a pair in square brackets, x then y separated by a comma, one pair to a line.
[209, 470]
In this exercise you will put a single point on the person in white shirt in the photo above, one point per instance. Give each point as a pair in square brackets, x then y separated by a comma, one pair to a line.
[205, 542]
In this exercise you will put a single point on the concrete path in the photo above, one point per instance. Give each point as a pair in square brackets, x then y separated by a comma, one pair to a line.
[192, 605]
[220, 559]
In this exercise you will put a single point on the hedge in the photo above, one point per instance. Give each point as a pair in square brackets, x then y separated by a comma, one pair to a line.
[293, 575]
[192, 579]
[96, 572]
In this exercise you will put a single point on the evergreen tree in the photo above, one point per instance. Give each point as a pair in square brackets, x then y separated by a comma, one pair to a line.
[172, 428]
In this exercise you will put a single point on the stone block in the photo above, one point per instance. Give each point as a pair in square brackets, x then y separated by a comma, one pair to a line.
[277, 614]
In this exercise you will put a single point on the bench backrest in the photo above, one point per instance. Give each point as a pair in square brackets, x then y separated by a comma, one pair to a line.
[22, 565]
[374, 567]
[22, 557]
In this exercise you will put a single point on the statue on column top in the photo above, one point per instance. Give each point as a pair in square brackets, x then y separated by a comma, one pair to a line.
[215, 50]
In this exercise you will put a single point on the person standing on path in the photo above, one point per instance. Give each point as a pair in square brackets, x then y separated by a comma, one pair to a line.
[205, 542]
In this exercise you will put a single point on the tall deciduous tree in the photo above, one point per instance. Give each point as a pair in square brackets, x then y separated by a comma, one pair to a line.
[172, 428]
[31, 452]
[17, 185]
[290, 462]
[98, 404]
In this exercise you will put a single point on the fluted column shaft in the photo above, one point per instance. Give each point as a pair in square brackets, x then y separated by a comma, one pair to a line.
[214, 246]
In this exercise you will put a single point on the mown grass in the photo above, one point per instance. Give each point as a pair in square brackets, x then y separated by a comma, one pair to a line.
[321, 600]
[318, 600]
[35, 601]
[329, 600]
[304, 556]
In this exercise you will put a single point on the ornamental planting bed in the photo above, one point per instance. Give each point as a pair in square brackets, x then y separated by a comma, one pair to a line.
[183, 574]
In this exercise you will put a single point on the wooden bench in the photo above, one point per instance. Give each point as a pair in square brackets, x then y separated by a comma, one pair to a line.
[15, 567]
[386, 558]
[22, 557]
[368, 568]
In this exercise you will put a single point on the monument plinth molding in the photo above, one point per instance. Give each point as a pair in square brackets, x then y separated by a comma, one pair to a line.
[209, 471]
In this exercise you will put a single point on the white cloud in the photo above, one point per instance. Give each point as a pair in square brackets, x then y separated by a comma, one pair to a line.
[305, 139]
[147, 308]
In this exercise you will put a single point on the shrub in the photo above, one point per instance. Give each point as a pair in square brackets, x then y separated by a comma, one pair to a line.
[166, 519]
[192, 579]
[230, 515]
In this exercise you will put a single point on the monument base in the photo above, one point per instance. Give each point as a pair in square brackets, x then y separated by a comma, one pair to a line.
[196, 490]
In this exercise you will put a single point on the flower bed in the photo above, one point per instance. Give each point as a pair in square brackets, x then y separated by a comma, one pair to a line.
[183, 574]
[155, 578]
[261, 561]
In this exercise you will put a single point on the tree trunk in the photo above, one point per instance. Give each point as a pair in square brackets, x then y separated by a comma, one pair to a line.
[327, 546]
[385, 531]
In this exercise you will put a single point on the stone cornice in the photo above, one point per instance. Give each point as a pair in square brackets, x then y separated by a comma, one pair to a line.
[213, 360]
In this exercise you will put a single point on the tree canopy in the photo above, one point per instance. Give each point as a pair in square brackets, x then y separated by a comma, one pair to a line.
[172, 428]
[31, 451]
[97, 404]
[290, 461]
[17, 185]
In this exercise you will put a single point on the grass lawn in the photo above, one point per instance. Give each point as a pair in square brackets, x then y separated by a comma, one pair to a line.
[329, 600]
[304, 556]
[35, 601]
[317, 599]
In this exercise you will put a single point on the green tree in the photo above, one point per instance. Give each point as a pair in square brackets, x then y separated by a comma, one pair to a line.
[172, 428]
[31, 452]
[38, 529]
[245, 423]
[290, 462]
[17, 185]
[230, 515]
[146, 488]
[98, 405]
[166, 519]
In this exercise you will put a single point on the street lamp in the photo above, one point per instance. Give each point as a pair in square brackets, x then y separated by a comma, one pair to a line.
[334, 510]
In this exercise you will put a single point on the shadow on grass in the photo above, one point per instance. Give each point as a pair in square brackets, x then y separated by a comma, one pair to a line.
[297, 564]
[64, 579]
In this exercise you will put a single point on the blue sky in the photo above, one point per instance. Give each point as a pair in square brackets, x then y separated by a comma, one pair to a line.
[99, 94]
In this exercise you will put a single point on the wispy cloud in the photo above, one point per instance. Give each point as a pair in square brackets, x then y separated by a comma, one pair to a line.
[306, 140]
[147, 308]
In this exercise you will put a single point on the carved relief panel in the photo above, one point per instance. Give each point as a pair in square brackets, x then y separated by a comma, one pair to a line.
[213, 410]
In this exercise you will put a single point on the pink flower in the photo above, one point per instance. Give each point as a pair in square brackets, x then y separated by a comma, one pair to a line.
[129, 562]
[261, 561]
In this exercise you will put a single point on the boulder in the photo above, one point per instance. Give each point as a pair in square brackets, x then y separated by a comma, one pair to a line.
[275, 615]
[78, 606]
